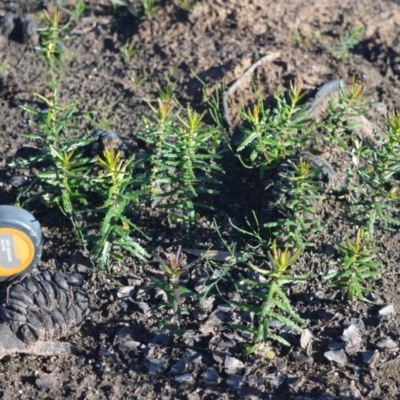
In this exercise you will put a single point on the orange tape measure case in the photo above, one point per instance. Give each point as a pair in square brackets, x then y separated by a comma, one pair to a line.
[21, 242]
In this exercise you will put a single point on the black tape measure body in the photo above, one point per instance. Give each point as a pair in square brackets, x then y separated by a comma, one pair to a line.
[21, 242]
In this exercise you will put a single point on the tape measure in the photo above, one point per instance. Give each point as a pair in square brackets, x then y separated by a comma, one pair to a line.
[21, 242]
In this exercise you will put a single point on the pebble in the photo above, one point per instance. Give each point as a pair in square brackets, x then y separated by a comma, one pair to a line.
[369, 357]
[125, 292]
[178, 368]
[235, 381]
[305, 338]
[129, 345]
[386, 343]
[184, 378]
[276, 379]
[45, 382]
[104, 352]
[233, 365]
[18, 181]
[350, 333]
[210, 376]
[122, 335]
[381, 108]
[295, 356]
[143, 307]
[250, 393]
[389, 309]
[160, 339]
[156, 365]
[337, 356]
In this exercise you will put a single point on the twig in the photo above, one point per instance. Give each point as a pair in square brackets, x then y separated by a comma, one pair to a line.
[232, 89]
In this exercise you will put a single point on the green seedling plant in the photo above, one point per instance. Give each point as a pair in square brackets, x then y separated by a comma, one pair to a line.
[273, 135]
[77, 11]
[3, 70]
[343, 116]
[271, 300]
[66, 177]
[129, 50]
[103, 116]
[356, 266]
[376, 197]
[302, 191]
[221, 275]
[115, 185]
[137, 80]
[186, 5]
[173, 268]
[149, 7]
[50, 49]
[342, 51]
[75, 181]
[183, 160]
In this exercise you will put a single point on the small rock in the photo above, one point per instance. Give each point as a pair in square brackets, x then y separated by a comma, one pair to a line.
[386, 343]
[193, 357]
[350, 333]
[233, 365]
[335, 346]
[184, 378]
[207, 303]
[160, 339]
[125, 292]
[156, 365]
[276, 379]
[380, 108]
[219, 356]
[134, 282]
[337, 356]
[305, 338]
[81, 263]
[350, 392]
[280, 363]
[18, 181]
[353, 345]
[224, 344]
[247, 317]
[389, 309]
[216, 318]
[235, 381]
[295, 382]
[250, 393]
[104, 352]
[370, 357]
[45, 382]
[358, 323]
[178, 368]
[210, 376]
[224, 308]
[233, 337]
[295, 356]
[107, 141]
[143, 307]
[129, 345]
[122, 335]
[160, 295]
[7, 23]
[123, 305]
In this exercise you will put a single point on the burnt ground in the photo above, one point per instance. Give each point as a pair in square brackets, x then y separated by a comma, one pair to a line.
[216, 40]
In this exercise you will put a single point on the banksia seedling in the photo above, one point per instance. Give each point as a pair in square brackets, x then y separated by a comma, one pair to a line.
[272, 300]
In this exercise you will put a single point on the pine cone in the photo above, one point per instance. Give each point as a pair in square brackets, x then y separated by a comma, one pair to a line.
[45, 306]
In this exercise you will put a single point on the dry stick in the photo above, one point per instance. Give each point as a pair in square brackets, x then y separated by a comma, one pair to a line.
[232, 89]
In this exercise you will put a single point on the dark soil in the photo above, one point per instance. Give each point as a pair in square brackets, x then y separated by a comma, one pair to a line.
[216, 41]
